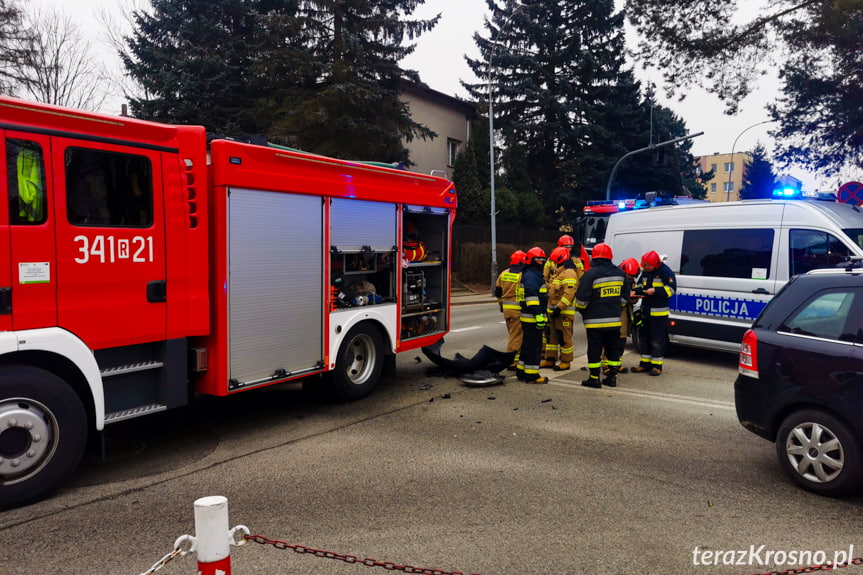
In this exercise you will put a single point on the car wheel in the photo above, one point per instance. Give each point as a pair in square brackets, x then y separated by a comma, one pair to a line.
[636, 340]
[359, 364]
[819, 452]
[43, 432]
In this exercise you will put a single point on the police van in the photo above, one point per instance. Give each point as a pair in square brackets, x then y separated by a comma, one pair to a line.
[731, 258]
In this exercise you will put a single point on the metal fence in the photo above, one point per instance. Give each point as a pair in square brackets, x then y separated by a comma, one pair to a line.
[471, 249]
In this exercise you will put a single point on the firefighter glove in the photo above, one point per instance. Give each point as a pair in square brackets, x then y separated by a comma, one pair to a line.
[554, 313]
[541, 322]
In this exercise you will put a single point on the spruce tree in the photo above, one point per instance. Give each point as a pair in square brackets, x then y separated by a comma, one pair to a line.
[320, 75]
[16, 45]
[758, 177]
[353, 109]
[472, 208]
[556, 72]
[194, 60]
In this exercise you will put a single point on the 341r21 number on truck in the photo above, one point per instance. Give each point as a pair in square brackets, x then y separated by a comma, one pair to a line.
[144, 265]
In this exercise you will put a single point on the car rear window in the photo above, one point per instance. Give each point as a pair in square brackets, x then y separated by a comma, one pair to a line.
[827, 315]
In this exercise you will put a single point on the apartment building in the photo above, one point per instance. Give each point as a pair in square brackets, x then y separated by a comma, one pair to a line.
[728, 174]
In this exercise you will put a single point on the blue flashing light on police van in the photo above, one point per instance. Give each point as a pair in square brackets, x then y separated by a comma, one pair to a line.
[788, 193]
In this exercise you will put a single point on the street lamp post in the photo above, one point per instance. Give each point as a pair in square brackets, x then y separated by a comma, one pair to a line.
[734, 145]
[491, 146]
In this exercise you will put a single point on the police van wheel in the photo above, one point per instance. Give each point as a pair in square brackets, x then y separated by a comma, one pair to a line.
[820, 453]
[359, 364]
[633, 332]
[43, 432]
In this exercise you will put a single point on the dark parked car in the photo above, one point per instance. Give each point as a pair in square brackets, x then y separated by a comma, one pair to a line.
[800, 381]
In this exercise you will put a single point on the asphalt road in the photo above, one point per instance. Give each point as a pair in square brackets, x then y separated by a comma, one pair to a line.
[655, 476]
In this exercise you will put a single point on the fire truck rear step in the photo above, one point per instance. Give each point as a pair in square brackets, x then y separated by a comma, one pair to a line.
[132, 413]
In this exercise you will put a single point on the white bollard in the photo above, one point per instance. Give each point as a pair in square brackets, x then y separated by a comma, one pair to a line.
[212, 536]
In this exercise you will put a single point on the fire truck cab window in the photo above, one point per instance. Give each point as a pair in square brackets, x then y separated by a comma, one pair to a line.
[26, 182]
[108, 189]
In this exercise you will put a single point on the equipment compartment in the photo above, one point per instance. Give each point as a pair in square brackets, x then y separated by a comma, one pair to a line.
[425, 269]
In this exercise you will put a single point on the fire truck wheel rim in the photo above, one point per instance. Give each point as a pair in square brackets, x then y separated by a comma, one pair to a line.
[360, 360]
[27, 440]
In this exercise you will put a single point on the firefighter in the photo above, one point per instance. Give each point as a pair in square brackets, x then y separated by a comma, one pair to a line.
[506, 291]
[561, 311]
[566, 241]
[533, 318]
[656, 285]
[631, 268]
[601, 293]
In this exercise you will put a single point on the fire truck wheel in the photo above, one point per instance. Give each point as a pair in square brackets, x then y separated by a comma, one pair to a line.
[43, 432]
[359, 364]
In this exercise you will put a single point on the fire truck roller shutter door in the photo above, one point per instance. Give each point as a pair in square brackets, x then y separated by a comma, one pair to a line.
[275, 256]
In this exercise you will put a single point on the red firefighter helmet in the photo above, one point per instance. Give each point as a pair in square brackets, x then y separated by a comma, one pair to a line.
[630, 266]
[559, 255]
[651, 259]
[565, 241]
[601, 251]
[517, 257]
[534, 253]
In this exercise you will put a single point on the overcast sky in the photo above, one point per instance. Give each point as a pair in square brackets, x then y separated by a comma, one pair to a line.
[439, 58]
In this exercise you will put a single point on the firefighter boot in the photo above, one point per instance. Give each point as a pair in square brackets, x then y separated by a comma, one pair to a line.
[593, 380]
[562, 366]
[541, 379]
[610, 380]
[546, 363]
[643, 367]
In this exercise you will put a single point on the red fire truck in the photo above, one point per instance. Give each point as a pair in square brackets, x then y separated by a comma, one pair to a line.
[144, 265]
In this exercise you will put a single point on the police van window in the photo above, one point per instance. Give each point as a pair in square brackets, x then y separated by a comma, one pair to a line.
[735, 253]
[108, 189]
[25, 167]
[812, 249]
[856, 235]
[828, 315]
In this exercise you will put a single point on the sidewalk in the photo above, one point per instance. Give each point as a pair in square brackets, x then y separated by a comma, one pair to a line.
[462, 295]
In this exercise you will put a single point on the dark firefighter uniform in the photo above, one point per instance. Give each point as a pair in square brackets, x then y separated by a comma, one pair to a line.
[601, 294]
[533, 318]
[657, 285]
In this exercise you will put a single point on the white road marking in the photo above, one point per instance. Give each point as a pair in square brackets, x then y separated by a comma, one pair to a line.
[658, 395]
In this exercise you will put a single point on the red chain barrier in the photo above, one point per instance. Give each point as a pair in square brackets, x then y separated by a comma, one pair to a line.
[349, 558]
[815, 568]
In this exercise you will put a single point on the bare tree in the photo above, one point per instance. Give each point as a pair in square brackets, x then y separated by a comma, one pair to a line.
[57, 64]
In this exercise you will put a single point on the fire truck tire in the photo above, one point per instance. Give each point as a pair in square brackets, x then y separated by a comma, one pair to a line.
[359, 364]
[43, 433]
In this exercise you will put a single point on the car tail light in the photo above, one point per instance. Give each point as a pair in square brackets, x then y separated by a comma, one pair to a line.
[748, 364]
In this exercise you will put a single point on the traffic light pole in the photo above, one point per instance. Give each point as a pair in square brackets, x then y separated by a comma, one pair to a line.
[638, 151]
